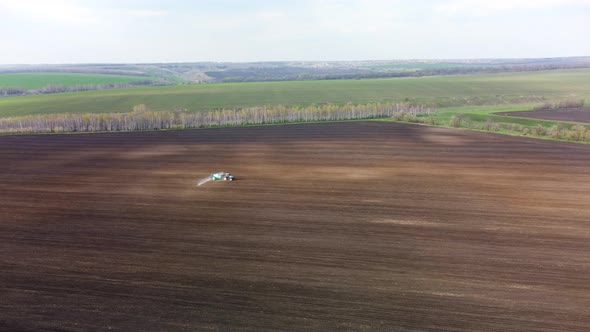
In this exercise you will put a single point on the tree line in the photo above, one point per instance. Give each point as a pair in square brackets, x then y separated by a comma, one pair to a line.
[9, 91]
[568, 103]
[272, 74]
[143, 119]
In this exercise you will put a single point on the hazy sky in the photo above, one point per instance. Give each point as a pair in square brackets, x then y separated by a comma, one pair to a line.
[79, 31]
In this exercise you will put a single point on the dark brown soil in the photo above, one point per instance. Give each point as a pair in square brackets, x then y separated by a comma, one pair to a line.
[341, 226]
[567, 114]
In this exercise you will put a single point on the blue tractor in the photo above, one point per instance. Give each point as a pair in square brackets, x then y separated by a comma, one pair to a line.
[221, 176]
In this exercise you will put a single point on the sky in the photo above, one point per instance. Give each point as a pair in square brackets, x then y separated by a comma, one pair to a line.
[134, 31]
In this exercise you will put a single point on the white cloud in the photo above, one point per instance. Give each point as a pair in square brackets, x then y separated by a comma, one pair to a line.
[270, 15]
[356, 16]
[488, 7]
[70, 11]
[141, 13]
[60, 11]
[178, 30]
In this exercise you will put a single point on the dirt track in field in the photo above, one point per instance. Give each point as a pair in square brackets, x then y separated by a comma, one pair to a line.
[342, 226]
[567, 114]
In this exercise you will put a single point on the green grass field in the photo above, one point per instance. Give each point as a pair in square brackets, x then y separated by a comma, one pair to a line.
[444, 91]
[31, 81]
[478, 118]
[482, 113]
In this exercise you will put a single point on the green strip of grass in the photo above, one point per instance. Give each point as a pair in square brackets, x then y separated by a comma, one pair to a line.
[482, 118]
[483, 113]
[32, 81]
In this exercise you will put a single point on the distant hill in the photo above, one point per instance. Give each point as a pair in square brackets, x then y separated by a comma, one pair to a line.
[216, 72]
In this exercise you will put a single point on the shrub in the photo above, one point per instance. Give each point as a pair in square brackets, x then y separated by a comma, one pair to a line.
[539, 130]
[410, 117]
[431, 120]
[545, 106]
[577, 132]
[490, 125]
[570, 103]
[458, 120]
[513, 127]
[405, 116]
[567, 103]
[398, 116]
[556, 131]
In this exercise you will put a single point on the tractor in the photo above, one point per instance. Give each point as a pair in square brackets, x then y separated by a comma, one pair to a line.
[221, 176]
[216, 177]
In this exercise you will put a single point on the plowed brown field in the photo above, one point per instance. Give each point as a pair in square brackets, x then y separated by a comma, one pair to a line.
[350, 226]
[574, 115]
